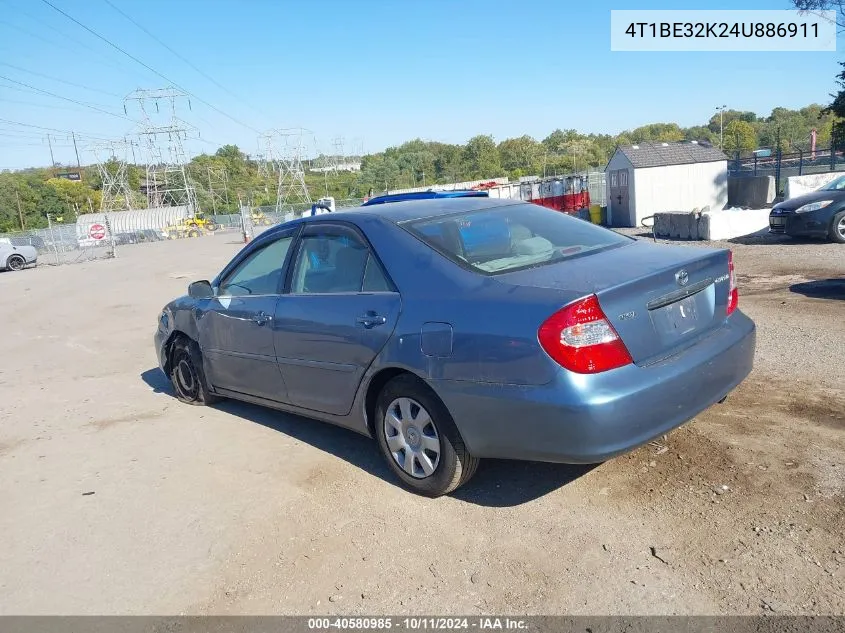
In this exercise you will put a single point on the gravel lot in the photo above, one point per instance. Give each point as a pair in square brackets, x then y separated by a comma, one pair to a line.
[117, 499]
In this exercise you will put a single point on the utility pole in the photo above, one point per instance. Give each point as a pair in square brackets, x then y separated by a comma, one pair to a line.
[78, 164]
[20, 213]
[721, 110]
[52, 160]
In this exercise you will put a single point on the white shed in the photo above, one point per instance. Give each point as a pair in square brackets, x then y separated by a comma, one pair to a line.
[649, 178]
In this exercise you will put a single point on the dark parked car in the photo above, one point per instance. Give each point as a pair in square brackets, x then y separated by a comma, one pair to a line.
[817, 214]
[456, 329]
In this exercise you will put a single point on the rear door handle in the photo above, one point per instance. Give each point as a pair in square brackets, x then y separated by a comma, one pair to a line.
[371, 320]
[261, 318]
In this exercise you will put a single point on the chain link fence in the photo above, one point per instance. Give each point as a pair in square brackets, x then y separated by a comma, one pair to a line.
[61, 243]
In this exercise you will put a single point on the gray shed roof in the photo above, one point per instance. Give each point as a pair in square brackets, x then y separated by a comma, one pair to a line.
[662, 154]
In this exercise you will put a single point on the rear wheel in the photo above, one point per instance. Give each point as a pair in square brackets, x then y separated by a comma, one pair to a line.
[837, 228]
[187, 375]
[419, 439]
[16, 262]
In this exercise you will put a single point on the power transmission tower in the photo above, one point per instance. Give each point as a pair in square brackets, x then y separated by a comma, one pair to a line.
[285, 149]
[111, 157]
[292, 187]
[218, 186]
[338, 158]
[162, 134]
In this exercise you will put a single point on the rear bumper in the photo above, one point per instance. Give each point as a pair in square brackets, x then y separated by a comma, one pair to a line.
[589, 419]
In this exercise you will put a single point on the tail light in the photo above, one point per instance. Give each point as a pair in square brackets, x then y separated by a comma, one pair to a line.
[733, 293]
[580, 338]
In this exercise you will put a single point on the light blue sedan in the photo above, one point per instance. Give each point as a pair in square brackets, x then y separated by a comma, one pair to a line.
[457, 329]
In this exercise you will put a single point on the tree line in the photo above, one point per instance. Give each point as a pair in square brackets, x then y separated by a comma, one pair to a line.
[224, 179]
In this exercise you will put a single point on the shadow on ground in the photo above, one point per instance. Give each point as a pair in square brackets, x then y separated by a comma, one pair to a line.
[821, 289]
[767, 239]
[498, 483]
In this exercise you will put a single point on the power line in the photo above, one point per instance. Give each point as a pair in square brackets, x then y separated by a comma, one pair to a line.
[186, 61]
[150, 68]
[51, 106]
[53, 94]
[49, 129]
[38, 91]
[64, 81]
[42, 24]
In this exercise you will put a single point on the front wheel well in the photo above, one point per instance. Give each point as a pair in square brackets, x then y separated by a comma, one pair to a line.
[176, 335]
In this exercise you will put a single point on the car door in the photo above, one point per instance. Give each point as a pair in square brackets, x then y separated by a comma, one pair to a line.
[339, 311]
[236, 326]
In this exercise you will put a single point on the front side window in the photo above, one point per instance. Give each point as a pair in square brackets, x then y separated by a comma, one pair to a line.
[336, 262]
[260, 273]
[516, 236]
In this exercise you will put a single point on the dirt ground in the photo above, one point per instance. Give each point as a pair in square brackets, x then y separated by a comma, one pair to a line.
[116, 499]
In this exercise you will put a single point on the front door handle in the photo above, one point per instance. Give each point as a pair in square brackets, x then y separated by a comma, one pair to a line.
[261, 318]
[371, 320]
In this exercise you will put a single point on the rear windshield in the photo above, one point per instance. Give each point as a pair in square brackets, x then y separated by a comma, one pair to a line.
[517, 236]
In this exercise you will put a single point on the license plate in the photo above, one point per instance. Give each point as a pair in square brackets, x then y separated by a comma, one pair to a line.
[777, 221]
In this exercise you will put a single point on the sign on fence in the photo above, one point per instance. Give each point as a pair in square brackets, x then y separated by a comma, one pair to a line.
[97, 231]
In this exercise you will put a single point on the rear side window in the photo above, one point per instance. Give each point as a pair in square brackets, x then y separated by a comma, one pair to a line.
[517, 236]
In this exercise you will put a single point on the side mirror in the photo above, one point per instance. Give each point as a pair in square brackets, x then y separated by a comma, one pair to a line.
[200, 290]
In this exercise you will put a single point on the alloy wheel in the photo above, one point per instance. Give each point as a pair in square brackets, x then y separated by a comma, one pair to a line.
[840, 227]
[16, 262]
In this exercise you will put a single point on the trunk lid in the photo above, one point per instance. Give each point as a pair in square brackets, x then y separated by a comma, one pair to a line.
[659, 298]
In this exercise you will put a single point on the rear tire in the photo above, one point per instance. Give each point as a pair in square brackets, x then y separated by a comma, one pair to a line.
[15, 263]
[837, 228]
[187, 375]
[419, 439]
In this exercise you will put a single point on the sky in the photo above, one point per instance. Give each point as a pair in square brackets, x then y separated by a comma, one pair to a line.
[374, 73]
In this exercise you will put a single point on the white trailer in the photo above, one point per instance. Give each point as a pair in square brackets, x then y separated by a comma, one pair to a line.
[87, 231]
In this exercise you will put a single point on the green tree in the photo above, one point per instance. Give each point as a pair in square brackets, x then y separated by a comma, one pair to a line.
[739, 136]
[657, 133]
[482, 157]
[520, 154]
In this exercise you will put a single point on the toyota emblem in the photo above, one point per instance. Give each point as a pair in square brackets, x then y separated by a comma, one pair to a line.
[682, 277]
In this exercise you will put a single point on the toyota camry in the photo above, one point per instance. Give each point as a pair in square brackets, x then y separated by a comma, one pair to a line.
[451, 330]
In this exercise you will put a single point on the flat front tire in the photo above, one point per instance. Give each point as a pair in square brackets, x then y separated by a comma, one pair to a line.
[187, 375]
[419, 439]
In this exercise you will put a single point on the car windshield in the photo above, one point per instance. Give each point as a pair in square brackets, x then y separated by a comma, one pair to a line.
[835, 185]
[507, 238]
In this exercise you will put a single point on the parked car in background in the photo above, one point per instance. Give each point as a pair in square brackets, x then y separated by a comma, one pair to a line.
[424, 195]
[817, 214]
[456, 329]
[14, 257]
